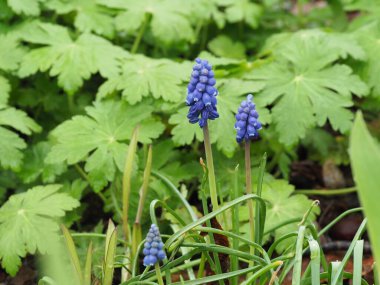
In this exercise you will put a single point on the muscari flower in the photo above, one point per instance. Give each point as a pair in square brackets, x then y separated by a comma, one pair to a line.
[153, 247]
[247, 124]
[201, 94]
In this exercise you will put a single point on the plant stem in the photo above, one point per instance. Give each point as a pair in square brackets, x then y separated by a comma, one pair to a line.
[248, 185]
[218, 268]
[210, 167]
[70, 102]
[137, 41]
[158, 274]
[326, 192]
[85, 177]
[201, 267]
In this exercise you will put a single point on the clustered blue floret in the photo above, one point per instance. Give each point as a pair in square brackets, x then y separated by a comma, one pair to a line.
[201, 94]
[153, 247]
[247, 124]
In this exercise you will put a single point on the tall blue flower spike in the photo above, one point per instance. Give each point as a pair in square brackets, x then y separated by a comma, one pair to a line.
[201, 94]
[153, 247]
[247, 125]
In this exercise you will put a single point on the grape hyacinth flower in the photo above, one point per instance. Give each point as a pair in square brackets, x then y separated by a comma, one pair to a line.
[201, 94]
[247, 127]
[247, 124]
[153, 247]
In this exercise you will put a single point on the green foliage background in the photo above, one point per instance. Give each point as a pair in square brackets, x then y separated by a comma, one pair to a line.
[76, 76]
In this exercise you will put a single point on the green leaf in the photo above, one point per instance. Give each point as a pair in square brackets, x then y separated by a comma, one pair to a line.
[141, 76]
[10, 143]
[244, 10]
[303, 81]
[222, 129]
[27, 223]
[34, 165]
[100, 137]
[169, 20]
[369, 38]
[365, 159]
[11, 52]
[184, 133]
[204, 10]
[72, 61]
[5, 89]
[26, 7]
[224, 46]
[340, 45]
[90, 16]
[10, 149]
[18, 120]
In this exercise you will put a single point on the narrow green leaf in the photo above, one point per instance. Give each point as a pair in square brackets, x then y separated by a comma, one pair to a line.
[358, 262]
[335, 274]
[315, 260]
[72, 253]
[296, 280]
[226, 206]
[108, 267]
[259, 219]
[127, 180]
[88, 266]
[360, 231]
[365, 159]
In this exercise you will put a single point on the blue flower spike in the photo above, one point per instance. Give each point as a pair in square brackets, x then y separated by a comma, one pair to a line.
[201, 94]
[247, 125]
[153, 247]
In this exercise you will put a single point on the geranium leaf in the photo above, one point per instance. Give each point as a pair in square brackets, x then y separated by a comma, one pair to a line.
[72, 61]
[303, 82]
[27, 223]
[100, 138]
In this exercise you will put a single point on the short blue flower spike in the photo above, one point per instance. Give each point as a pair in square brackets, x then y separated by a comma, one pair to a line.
[247, 125]
[201, 94]
[153, 247]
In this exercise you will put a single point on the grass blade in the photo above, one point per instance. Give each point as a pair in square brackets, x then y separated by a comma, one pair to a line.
[335, 274]
[225, 207]
[315, 260]
[296, 280]
[358, 234]
[261, 272]
[72, 253]
[365, 159]
[259, 217]
[108, 266]
[235, 225]
[358, 262]
[88, 266]
[127, 175]
[214, 278]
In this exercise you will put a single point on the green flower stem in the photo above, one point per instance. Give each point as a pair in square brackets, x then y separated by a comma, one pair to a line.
[248, 185]
[218, 267]
[210, 168]
[158, 274]
[85, 177]
[327, 192]
[137, 41]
